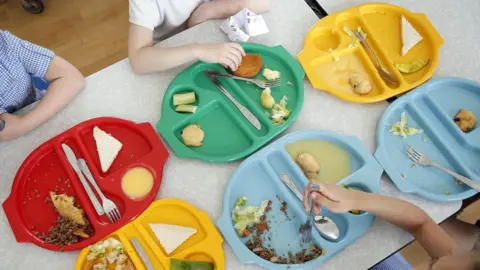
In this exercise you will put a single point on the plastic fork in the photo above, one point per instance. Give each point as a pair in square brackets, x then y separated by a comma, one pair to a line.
[306, 228]
[381, 70]
[424, 160]
[258, 82]
[110, 207]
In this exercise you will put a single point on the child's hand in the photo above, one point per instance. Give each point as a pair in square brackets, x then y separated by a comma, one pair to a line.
[335, 198]
[227, 54]
[13, 126]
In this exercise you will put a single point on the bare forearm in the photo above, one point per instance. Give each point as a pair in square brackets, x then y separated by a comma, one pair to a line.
[152, 59]
[60, 92]
[220, 9]
[410, 218]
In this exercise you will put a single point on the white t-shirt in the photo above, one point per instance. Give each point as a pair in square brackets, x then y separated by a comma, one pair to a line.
[164, 17]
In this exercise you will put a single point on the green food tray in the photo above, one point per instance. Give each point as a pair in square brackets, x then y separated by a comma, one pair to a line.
[228, 135]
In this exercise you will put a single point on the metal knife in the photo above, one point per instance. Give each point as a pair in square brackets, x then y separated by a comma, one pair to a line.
[72, 159]
[246, 112]
[141, 253]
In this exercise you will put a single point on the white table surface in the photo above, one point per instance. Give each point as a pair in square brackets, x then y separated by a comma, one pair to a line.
[116, 91]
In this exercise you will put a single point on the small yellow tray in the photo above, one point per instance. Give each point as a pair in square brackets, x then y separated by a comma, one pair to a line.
[382, 23]
[205, 245]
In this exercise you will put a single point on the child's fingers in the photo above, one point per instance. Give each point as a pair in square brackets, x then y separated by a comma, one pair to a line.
[234, 61]
[239, 48]
[236, 56]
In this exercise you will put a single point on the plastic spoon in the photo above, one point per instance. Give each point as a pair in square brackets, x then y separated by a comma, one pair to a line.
[324, 225]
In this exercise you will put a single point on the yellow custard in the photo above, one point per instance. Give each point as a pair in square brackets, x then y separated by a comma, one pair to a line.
[137, 182]
[334, 160]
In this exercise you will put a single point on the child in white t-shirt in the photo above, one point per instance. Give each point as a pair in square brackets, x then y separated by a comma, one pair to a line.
[153, 20]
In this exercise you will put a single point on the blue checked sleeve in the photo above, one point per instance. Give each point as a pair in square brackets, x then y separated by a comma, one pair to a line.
[35, 59]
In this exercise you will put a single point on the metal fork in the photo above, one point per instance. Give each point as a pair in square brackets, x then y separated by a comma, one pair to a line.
[424, 160]
[258, 82]
[306, 228]
[381, 70]
[110, 207]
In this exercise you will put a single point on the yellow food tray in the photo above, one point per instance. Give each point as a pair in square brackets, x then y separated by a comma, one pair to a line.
[382, 24]
[205, 245]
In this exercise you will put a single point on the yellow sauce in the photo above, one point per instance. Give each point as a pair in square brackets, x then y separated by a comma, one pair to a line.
[137, 182]
[337, 74]
[334, 160]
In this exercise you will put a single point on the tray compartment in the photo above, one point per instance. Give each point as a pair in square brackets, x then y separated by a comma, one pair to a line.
[385, 23]
[430, 143]
[224, 135]
[172, 214]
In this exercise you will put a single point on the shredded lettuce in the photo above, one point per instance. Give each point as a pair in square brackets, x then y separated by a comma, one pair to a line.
[400, 128]
[244, 216]
[334, 55]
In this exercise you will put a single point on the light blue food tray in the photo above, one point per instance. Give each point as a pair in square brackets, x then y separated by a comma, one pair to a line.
[257, 178]
[432, 107]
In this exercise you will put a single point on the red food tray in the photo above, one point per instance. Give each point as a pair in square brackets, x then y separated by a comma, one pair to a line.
[47, 169]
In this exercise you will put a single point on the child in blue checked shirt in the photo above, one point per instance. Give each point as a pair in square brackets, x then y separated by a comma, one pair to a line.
[20, 61]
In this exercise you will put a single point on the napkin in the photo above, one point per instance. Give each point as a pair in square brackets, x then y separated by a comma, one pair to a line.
[243, 25]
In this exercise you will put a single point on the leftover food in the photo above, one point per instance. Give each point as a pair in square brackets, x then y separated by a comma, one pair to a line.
[71, 226]
[171, 236]
[410, 36]
[334, 55]
[352, 35]
[137, 182]
[107, 147]
[250, 66]
[266, 99]
[309, 165]
[280, 113]
[360, 83]
[411, 67]
[400, 128]
[186, 108]
[244, 216]
[108, 255]
[177, 264]
[192, 135]
[271, 75]
[184, 98]
[465, 120]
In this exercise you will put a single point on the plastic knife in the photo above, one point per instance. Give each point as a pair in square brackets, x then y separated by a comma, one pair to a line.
[245, 112]
[72, 159]
[141, 253]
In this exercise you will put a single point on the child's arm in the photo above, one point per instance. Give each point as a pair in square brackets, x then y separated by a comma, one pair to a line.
[145, 59]
[219, 9]
[403, 214]
[65, 82]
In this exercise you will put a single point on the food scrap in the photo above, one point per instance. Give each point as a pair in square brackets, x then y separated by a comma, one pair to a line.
[350, 33]
[181, 100]
[171, 236]
[289, 83]
[309, 165]
[266, 99]
[411, 67]
[271, 75]
[404, 177]
[108, 148]
[400, 128]
[177, 264]
[192, 135]
[360, 83]
[410, 36]
[184, 98]
[334, 55]
[465, 120]
[280, 113]
[250, 66]
[244, 216]
[106, 255]
[71, 226]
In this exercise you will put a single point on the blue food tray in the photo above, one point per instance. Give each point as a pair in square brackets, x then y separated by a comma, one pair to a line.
[432, 107]
[257, 178]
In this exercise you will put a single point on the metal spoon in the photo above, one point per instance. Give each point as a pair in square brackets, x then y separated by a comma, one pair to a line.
[324, 225]
[381, 70]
